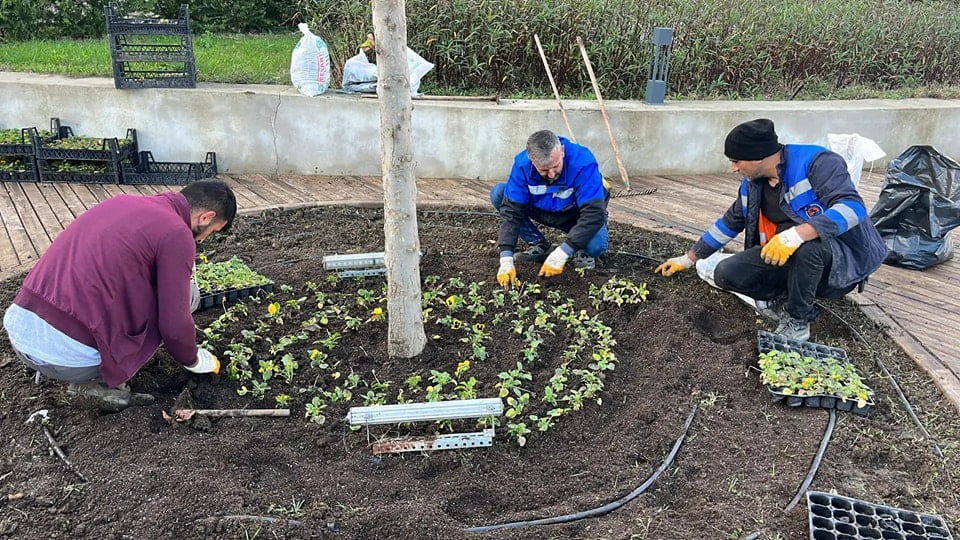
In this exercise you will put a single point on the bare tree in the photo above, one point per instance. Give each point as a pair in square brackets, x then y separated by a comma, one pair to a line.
[406, 337]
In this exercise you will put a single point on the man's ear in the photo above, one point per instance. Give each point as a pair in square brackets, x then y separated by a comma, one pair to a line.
[206, 217]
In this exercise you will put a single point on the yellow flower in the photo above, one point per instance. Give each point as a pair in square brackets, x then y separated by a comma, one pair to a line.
[273, 309]
[377, 314]
[314, 353]
[807, 382]
[463, 366]
[456, 324]
[452, 301]
[202, 257]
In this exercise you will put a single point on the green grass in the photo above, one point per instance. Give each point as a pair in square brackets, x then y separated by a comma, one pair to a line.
[263, 59]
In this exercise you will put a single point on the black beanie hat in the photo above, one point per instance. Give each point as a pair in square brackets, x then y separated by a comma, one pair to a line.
[751, 141]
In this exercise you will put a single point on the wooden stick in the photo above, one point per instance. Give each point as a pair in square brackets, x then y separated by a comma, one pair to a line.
[231, 413]
[603, 110]
[60, 454]
[556, 93]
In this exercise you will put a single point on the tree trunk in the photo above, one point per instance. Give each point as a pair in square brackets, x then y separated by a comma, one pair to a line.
[406, 337]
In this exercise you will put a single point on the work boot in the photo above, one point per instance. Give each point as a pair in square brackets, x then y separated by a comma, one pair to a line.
[773, 310]
[797, 329]
[96, 396]
[582, 260]
[534, 253]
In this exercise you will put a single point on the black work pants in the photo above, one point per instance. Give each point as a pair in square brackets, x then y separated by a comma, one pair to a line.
[801, 279]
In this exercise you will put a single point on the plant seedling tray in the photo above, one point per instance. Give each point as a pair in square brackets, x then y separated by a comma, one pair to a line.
[767, 341]
[25, 145]
[26, 173]
[148, 171]
[834, 517]
[218, 298]
[113, 150]
[117, 24]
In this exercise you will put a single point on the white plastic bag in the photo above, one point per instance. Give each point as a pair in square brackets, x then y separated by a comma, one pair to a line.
[310, 64]
[359, 74]
[855, 150]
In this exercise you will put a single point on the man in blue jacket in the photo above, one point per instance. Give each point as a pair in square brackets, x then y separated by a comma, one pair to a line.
[806, 231]
[557, 183]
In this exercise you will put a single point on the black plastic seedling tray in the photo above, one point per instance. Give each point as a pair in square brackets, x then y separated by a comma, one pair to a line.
[767, 341]
[149, 171]
[28, 172]
[219, 298]
[834, 517]
[25, 147]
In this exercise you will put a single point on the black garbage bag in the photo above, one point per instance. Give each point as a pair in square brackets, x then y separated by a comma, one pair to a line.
[918, 207]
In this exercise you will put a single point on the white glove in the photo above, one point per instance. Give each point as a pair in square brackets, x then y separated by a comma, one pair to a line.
[194, 296]
[206, 363]
[507, 274]
[553, 266]
[674, 265]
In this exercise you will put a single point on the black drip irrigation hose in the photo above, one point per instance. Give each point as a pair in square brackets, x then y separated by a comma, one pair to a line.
[816, 461]
[607, 508]
[893, 382]
[640, 256]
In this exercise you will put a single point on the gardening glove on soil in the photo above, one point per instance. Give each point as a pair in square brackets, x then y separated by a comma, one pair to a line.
[507, 275]
[674, 265]
[206, 363]
[781, 247]
[553, 266]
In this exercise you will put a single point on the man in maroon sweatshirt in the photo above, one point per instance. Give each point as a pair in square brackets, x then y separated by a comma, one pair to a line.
[113, 286]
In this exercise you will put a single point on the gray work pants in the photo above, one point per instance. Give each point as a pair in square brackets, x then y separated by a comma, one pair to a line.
[62, 373]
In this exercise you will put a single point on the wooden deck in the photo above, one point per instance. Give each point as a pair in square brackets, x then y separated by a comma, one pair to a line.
[921, 309]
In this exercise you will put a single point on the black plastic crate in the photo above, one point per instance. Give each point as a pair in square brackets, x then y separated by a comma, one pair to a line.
[154, 75]
[24, 147]
[834, 517]
[112, 150]
[133, 48]
[767, 341]
[149, 171]
[28, 172]
[47, 172]
[216, 299]
[117, 24]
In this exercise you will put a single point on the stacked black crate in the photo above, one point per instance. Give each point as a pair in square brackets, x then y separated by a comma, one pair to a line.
[151, 53]
[146, 170]
[18, 161]
[86, 160]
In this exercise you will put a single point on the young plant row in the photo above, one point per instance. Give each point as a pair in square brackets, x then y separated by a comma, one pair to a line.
[284, 332]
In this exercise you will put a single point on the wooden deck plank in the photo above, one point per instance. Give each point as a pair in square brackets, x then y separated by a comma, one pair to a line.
[13, 233]
[46, 211]
[36, 235]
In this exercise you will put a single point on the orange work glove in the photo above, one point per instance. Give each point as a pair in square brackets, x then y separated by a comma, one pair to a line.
[781, 247]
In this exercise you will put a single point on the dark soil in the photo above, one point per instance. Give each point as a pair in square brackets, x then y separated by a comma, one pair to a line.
[688, 345]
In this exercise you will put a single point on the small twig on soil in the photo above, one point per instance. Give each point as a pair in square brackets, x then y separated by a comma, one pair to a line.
[60, 454]
[886, 373]
[609, 507]
[816, 461]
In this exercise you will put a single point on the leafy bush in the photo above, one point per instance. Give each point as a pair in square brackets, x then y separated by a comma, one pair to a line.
[728, 48]
[237, 16]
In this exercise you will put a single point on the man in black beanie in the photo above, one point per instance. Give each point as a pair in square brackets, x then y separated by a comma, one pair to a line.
[806, 230]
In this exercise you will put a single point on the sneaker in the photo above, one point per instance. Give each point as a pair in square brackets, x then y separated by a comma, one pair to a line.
[534, 253]
[774, 310]
[97, 396]
[582, 260]
[791, 328]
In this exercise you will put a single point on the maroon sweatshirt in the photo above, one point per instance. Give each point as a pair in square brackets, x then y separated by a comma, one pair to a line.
[117, 279]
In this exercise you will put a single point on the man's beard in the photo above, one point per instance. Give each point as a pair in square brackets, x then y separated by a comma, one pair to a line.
[198, 230]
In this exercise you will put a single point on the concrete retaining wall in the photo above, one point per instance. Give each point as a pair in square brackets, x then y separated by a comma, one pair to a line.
[273, 129]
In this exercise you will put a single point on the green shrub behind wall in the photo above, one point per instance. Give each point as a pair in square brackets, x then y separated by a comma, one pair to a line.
[722, 48]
